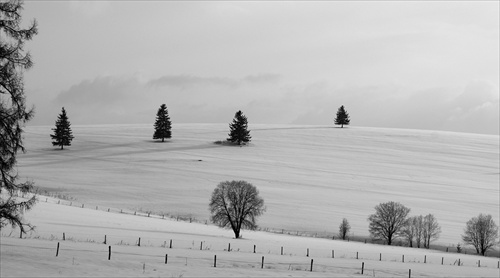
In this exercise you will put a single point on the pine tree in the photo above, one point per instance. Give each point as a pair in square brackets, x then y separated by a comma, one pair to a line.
[13, 113]
[239, 132]
[62, 133]
[163, 125]
[342, 117]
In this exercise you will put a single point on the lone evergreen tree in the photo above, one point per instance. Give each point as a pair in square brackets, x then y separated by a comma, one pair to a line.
[62, 133]
[342, 117]
[13, 113]
[163, 125]
[239, 132]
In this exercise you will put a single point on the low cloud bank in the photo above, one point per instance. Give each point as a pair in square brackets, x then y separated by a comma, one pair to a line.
[267, 98]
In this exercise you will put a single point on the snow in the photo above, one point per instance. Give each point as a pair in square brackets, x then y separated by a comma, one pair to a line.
[309, 176]
[319, 173]
[83, 254]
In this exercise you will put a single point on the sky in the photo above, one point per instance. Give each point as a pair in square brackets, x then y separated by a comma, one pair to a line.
[398, 64]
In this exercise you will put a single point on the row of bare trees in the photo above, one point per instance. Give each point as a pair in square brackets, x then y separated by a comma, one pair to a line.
[421, 230]
[391, 221]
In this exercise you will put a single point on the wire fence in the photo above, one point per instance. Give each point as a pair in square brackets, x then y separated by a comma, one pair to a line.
[244, 246]
[153, 258]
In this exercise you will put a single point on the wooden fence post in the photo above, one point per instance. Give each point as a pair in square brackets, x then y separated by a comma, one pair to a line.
[458, 262]
[357, 255]
[312, 265]
[333, 254]
[139, 242]
[262, 264]
[479, 263]
[170, 244]
[254, 248]
[201, 245]
[409, 273]
[403, 260]
[307, 255]
[362, 267]
[109, 253]
[104, 239]
[64, 236]
[229, 248]
[425, 259]
[380, 259]
[20, 233]
[215, 260]
[57, 252]
[166, 258]
[281, 250]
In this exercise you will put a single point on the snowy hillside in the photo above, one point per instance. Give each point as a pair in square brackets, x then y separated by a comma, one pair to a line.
[309, 176]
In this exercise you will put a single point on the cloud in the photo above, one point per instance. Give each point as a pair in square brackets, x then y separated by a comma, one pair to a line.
[108, 99]
[90, 8]
[265, 98]
[184, 81]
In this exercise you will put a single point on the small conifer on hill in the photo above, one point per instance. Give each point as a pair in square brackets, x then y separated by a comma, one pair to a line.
[163, 125]
[342, 117]
[239, 132]
[62, 133]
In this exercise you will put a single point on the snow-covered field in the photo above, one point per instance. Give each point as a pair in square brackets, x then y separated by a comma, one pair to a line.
[84, 254]
[309, 176]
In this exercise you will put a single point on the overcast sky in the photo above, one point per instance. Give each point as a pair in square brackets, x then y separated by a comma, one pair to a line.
[409, 64]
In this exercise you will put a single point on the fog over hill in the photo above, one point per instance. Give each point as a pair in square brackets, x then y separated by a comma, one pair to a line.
[309, 176]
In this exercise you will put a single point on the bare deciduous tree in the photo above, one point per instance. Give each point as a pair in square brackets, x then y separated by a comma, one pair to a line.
[419, 230]
[344, 229]
[481, 232]
[236, 205]
[410, 230]
[388, 221]
[431, 230]
[422, 229]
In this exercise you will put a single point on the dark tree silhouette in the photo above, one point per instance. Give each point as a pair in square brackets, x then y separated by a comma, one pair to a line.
[481, 232]
[342, 117]
[236, 205]
[62, 133]
[389, 221]
[13, 113]
[239, 132]
[163, 125]
[344, 229]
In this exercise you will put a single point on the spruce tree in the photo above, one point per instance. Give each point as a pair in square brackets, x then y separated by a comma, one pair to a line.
[62, 133]
[342, 117]
[13, 113]
[163, 125]
[239, 132]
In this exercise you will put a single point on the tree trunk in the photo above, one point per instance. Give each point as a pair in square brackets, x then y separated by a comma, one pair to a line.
[62, 146]
[237, 234]
[163, 139]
